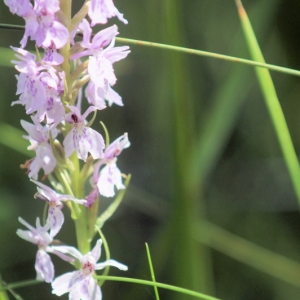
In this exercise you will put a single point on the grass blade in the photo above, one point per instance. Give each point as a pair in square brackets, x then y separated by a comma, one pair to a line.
[272, 103]
[158, 284]
[152, 271]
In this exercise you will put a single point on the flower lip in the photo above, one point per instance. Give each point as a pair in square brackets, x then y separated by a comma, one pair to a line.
[74, 118]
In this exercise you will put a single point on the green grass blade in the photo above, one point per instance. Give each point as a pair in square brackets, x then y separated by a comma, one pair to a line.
[272, 103]
[152, 271]
[158, 284]
[209, 54]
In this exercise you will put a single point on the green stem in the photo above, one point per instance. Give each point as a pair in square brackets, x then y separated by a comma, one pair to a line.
[76, 184]
[75, 210]
[81, 222]
[20, 284]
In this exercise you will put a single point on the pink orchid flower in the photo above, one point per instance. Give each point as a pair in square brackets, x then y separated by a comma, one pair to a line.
[55, 217]
[110, 176]
[81, 284]
[81, 138]
[101, 10]
[40, 237]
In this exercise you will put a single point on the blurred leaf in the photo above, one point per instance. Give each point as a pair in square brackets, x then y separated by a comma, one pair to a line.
[187, 206]
[6, 55]
[12, 138]
[247, 252]
[3, 295]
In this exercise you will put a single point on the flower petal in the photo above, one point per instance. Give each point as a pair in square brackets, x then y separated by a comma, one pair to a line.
[96, 252]
[44, 266]
[111, 262]
[61, 284]
[55, 220]
[69, 250]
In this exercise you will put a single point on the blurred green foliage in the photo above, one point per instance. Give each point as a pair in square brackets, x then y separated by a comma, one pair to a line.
[203, 151]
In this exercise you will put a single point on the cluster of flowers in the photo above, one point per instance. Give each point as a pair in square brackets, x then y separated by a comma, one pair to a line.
[51, 90]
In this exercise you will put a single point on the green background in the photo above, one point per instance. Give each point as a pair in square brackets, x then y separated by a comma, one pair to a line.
[203, 152]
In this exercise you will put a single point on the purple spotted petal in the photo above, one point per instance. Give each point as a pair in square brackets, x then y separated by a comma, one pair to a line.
[44, 266]
[61, 284]
[55, 220]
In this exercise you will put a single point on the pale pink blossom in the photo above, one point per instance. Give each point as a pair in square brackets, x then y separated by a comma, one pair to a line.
[80, 284]
[52, 57]
[55, 217]
[110, 176]
[39, 137]
[101, 10]
[20, 7]
[116, 147]
[52, 111]
[44, 159]
[100, 66]
[81, 138]
[30, 88]
[95, 96]
[40, 237]
[43, 26]
[40, 87]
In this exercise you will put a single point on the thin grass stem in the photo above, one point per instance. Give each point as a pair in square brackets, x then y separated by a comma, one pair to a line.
[189, 51]
[152, 271]
[160, 285]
